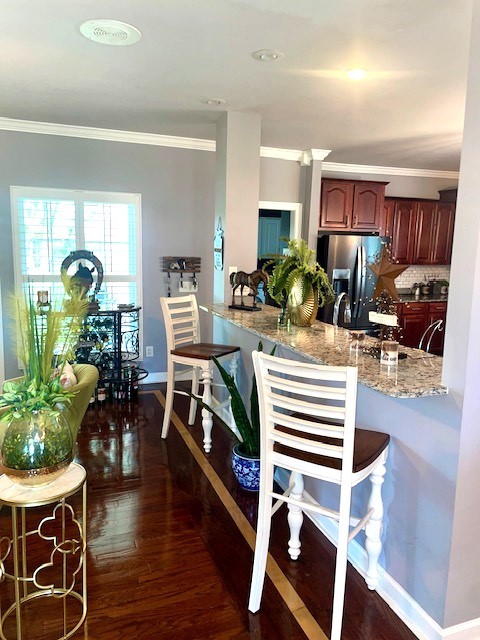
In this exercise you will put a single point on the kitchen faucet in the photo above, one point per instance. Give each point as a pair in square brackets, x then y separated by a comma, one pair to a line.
[347, 314]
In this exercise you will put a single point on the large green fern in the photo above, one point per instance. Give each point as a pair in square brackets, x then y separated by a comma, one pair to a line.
[298, 270]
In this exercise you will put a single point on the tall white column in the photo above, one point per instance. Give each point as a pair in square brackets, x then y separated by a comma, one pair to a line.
[462, 358]
[313, 186]
[237, 195]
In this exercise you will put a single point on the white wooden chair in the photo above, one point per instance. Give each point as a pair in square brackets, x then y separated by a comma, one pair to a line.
[307, 419]
[184, 347]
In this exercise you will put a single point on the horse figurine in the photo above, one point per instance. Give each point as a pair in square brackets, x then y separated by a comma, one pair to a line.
[252, 280]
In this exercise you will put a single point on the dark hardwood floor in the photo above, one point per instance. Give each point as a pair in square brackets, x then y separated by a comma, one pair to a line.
[167, 560]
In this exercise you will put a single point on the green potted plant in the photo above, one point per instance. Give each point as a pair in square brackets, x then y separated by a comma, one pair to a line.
[37, 443]
[246, 451]
[299, 283]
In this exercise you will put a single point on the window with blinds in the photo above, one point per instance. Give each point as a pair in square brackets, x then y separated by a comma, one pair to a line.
[49, 224]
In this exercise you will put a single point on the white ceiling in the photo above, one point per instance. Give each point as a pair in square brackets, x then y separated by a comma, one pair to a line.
[409, 113]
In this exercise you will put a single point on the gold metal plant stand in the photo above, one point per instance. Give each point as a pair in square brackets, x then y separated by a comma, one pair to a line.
[61, 532]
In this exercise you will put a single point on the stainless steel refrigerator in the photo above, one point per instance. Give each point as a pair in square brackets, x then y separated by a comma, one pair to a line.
[345, 258]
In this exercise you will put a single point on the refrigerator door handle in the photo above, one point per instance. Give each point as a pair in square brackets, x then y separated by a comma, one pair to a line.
[358, 283]
[363, 279]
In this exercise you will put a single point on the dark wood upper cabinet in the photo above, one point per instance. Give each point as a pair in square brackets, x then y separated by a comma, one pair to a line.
[351, 205]
[424, 229]
[368, 200]
[403, 232]
[386, 222]
[336, 204]
[421, 230]
[443, 234]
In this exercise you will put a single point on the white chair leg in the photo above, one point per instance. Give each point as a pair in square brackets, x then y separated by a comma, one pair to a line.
[233, 372]
[207, 419]
[193, 403]
[234, 366]
[373, 528]
[295, 516]
[264, 522]
[341, 564]
[168, 398]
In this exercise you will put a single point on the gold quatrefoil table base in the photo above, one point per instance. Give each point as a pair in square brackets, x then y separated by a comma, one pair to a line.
[61, 574]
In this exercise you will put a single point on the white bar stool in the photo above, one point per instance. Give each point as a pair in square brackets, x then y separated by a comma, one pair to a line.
[307, 421]
[184, 346]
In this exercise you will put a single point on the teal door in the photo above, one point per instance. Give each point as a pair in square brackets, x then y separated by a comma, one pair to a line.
[269, 232]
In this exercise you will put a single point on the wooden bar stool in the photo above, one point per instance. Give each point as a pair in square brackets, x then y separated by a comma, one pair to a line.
[184, 347]
[307, 421]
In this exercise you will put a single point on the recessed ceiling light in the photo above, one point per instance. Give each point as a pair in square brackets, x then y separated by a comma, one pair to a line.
[356, 74]
[110, 32]
[267, 55]
[213, 101]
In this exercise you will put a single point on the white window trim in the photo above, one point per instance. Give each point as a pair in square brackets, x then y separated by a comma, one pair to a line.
[78, 195]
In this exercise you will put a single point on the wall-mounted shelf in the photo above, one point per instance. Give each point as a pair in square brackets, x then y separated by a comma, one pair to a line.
[184, 266]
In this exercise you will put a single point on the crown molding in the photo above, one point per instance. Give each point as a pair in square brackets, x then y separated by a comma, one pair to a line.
[389, 171]
[313, 154]
[282, 154]
[200, 144]
[111, 135]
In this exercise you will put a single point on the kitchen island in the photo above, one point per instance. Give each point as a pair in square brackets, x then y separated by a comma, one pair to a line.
[410, 403]
[419, 374]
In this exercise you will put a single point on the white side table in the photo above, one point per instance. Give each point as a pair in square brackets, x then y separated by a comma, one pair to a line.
[62, 573]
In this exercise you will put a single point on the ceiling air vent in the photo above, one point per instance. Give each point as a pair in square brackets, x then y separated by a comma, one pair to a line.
[110, 32]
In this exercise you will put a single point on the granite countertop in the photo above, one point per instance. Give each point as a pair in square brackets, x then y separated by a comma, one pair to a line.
[417, 375]
[410, 297]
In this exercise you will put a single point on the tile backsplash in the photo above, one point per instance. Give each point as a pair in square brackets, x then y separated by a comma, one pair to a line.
[421, 273]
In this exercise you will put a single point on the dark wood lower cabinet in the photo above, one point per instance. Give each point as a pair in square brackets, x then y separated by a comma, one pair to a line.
[437, 311]
[415, 317]
[413, 322]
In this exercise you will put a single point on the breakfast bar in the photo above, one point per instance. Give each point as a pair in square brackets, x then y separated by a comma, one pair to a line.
[407, 401]
[419, 374]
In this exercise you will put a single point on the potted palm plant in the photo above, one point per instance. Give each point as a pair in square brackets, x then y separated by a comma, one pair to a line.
[37, 446]
[299, 283]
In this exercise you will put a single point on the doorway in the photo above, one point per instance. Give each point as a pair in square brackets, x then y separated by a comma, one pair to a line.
[276, 220]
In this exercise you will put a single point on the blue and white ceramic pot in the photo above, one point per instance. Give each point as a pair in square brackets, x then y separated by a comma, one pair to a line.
[246, 470]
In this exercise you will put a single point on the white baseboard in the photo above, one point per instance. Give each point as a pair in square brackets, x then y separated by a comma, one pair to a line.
[465, 631]
[406, 608]
[161, 376]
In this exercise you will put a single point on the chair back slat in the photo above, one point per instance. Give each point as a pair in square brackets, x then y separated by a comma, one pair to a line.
[285, 384]
[303, 406]
[181, 320]
[307, 426]
[310, 446]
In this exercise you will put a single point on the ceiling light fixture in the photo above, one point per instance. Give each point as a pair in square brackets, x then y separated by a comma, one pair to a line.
[110, 32]
[213, 101]
[267, 55]
[356, 74]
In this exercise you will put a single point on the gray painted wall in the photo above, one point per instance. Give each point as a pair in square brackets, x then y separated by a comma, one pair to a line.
[177, 188]
[281, 180]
